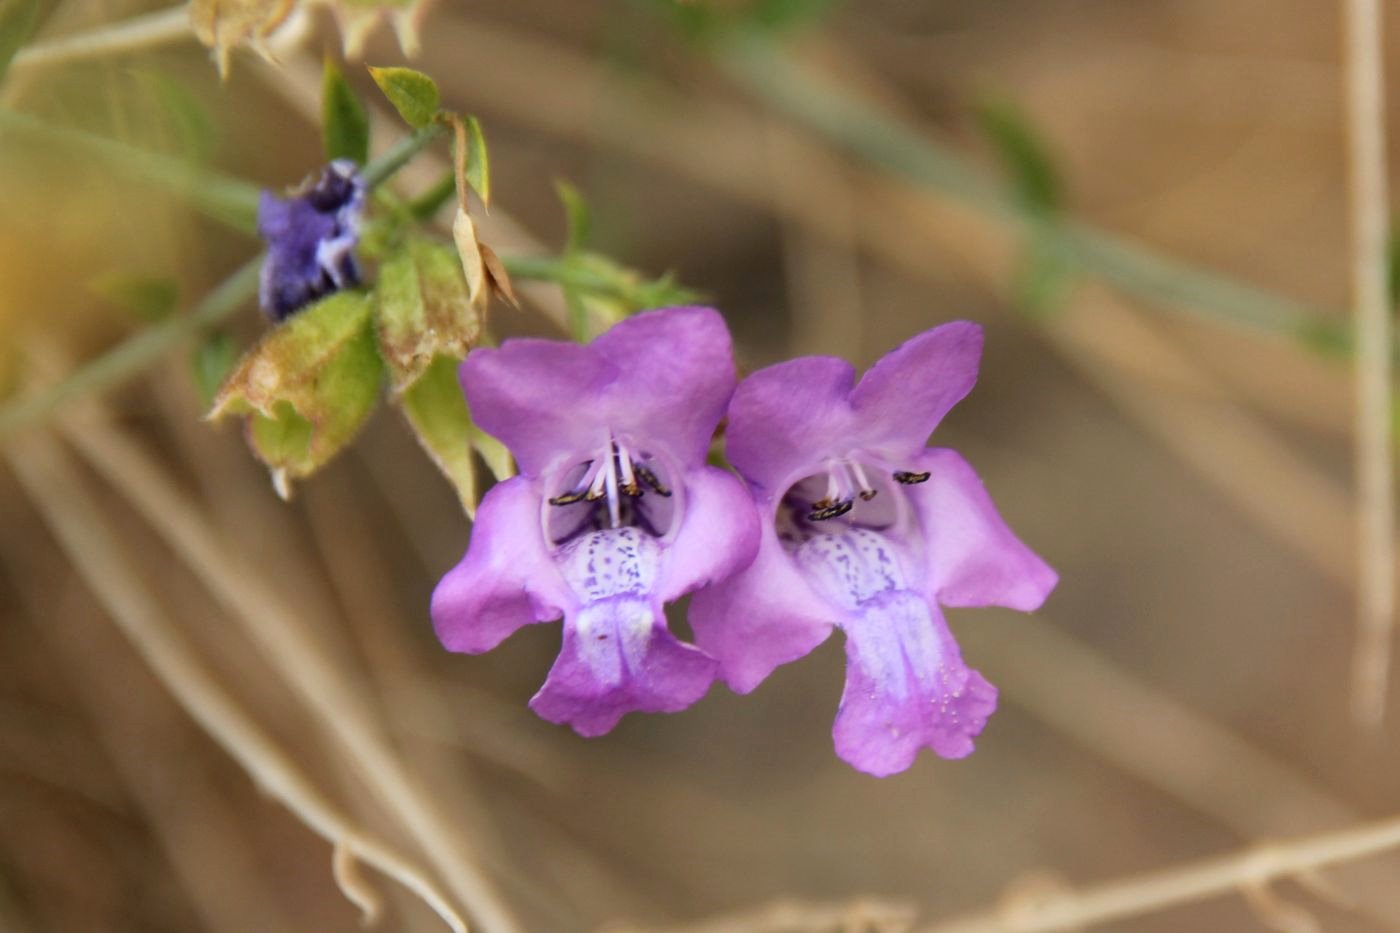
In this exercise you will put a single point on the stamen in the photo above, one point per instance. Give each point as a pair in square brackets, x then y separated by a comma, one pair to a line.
[650, 478]
[825, 509]
[910, 479]
[867, 491]
[834, 492]
[610, 484]
[597, 489]
[583, 489]
[629, 481]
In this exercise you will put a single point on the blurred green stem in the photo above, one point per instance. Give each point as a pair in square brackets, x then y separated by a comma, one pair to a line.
[227, 200]
[773, 76]
[562, 271]
[137, 352]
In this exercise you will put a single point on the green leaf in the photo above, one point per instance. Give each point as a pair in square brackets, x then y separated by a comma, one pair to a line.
[344, 124]
[413, 94]
[423, 310]
[150, 298]
[291, 358]
[304, 428]
[437, 411]
[212, 360]
[1025, 156]
[478, 162]
[17, 21]
[576, 212]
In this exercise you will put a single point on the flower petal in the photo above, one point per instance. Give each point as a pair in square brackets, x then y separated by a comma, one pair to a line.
[787, 418]
[974, 559]
[718, 535]
[904, 396]
[534, 396]
[507, 578]
[660, 378]
[678, 374]
[907, 688]
[759, 618]
[618, 657]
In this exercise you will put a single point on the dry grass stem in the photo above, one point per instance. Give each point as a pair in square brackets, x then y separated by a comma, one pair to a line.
[787, 915]
[76, 519]
[328, 691]
[1251, 869]
[139, 32]
[1370, 247]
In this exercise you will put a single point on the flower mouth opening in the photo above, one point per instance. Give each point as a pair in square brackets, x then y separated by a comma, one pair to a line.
[847, 491]
[618, 487]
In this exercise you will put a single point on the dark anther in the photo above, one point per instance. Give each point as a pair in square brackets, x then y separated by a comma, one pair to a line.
[909, 479]
[825, 509]
[648, 477]
[867, 494]
[632, 489]
[569, 498]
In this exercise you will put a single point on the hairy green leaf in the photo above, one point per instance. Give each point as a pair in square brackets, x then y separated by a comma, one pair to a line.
[423, 310]
[302, 430]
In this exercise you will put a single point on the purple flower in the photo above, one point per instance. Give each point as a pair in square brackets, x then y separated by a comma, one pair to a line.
[311, 239]
[865, 528]
[614, 514]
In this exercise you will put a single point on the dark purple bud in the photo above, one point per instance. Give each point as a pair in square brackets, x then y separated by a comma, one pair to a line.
[311, 238]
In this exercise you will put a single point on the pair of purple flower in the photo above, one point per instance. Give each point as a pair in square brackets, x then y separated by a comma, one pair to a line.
[844, 518]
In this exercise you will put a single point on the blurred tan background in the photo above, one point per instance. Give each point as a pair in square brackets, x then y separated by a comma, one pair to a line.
[1183, 693]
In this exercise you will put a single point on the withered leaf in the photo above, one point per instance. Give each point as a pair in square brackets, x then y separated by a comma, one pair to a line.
[424, 310]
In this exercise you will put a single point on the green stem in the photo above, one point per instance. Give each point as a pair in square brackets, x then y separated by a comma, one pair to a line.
[775, 77]
[561, 271]
[424, 207]
[227, 200]
[383, 167]
[137, 352]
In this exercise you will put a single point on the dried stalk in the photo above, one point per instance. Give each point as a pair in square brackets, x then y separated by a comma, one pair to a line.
[329, 693]
[130, 35]
[76, 519]
[1252, 870]
[1370, 270]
